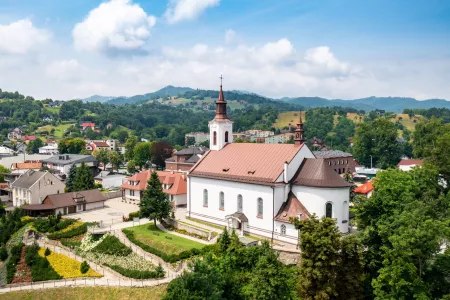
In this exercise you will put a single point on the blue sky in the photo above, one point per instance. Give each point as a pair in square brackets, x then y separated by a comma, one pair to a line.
[337, 49]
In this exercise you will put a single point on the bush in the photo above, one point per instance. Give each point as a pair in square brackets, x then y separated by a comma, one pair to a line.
[47, 252]
[132, 215]
[84, 267]
[3, 253]
[40, 267]
[111, 245]
[167, 258]
[70, 233]
[70, 243]
[157, 273]
[11, 266]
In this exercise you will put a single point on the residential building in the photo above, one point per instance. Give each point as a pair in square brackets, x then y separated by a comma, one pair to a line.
[408, 164]
[184, 160]
[27, 138]
[109, 181]
[85, 125]
[15, 134]
[6, 151]
[68, 203]
[33, 186]
[242, 136]
[61, 164]
[282, 138]
[112, 145]
[338, 160]
[199, 137]
[173, 184]
[49, 150]
[260, 133]
[365, 189]
[256, 188]
[23, 167]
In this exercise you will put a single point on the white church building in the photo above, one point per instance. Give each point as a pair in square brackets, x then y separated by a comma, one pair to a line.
[256, 188]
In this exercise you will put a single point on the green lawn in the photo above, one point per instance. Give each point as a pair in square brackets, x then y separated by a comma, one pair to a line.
[83, 293]
[146, 234]
[59, 130]
[53, 109]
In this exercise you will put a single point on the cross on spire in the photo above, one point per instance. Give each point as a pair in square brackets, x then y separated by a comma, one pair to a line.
[221, 78]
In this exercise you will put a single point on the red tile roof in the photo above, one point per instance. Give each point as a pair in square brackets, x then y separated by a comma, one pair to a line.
[3, 185]
[364, 188]
[100, 144]
[88, 124]
[246, 162]
[292, 208]
[409, 162]
[177, 181]
[26, 165]
[28, 137]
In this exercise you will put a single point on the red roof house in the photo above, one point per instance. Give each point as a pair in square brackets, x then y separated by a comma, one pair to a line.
[365, 189]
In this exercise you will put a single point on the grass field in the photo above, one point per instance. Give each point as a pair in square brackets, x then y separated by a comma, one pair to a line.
[83, 293]
[59, 130]
[288, 117]
[53, 110]
[174, 245]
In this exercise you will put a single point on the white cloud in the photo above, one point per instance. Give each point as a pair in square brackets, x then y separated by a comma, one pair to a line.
[182, 10]
[21, 37]
[113, 27]
[64, 70]
[230, 36]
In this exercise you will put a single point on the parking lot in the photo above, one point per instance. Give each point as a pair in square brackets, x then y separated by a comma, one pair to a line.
[113, 212]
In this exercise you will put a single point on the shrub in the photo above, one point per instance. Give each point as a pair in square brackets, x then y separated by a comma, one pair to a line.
[47, 252]
[84, 267]
[132, 215]
[40, 267]
[71, 231]
[72, 244]
[11, 266]
[157, 273]
[111, 245]
[3, 253]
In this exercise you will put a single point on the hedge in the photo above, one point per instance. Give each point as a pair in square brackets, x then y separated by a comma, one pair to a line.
[167, 258]
[70, 233]
[157, 273]
[40, 267]
[111, 245]
[11, 266]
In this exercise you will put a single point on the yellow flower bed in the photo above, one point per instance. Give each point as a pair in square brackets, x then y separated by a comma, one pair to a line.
[73, 226]
[25, 218]
[66, 266]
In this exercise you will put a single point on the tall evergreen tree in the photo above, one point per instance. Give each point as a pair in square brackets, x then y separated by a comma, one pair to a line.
[70, 182]
[84, 179]
[155, 204]
[224, 241]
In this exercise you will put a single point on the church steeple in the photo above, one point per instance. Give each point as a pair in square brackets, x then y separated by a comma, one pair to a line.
[221, 105]
[299, 132]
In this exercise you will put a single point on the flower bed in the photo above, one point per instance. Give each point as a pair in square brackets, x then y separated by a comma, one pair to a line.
[41, 270]
[111, 245]
[75, 229]
[65, 266]
[90, 241]
[23, 272]
[72, 242]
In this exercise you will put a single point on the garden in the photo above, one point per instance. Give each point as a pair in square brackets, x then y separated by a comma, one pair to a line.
[169, 247]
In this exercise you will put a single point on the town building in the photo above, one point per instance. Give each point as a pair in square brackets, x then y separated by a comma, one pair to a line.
[408, 164]
[282, 138]
[61, 164]
[242, 136]
[109, 181]
[112, 145]
[256, 188]
[260, 133]
[184, 160]
[23, 167]
[199, 137]
[27, 138]
[6, 151]
[33, 186]
[174, 185]
[49, 150]
[338, 160]
[15, 134]
[85, 125]
[365, 189]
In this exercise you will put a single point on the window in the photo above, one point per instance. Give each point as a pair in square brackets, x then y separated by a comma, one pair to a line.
[283, 229]
[131, 192]
[329, 210]
[226, 136]
[239, 203]
[345, 212]
[205, 198]
[260, 207]
[79, 206]
[221, 201]
[214, 138]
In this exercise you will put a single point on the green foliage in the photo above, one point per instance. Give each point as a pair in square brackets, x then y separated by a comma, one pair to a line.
[71, 145]
[132, 215]
[131, 167]
[136, 274]
[14, 258]
[52, 223]
[3, 170]
[33, 146]
[377, 139]
[159, 152]
[83, 180]
[70, 181]
[154, 204]
[47, 252]
[3, 253]
[102, 156]
[84, 267]
[40, 267]
[111, 245]
[129, 147]
[141, 154]
[224, 241]
[68, 234]
[116, 159]
[10, 224]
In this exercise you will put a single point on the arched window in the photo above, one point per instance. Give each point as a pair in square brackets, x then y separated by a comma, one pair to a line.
[239, 203]
[283, 229]
[260, 207]
[345, 212]
[221, 201]
[214, 138]
[226, 136]
[205, 198]
[329, 210]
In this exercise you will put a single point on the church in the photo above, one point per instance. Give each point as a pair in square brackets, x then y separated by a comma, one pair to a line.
[256, 188]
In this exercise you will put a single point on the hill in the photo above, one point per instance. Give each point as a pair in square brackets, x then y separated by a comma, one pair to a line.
[168, 91]
[97, 98]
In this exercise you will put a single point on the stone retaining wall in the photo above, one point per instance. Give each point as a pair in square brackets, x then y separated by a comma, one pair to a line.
[191, 229]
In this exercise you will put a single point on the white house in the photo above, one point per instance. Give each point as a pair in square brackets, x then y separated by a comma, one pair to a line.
[256, 188]
[33, 186]
[62, 163]
[49, 150]
[5, 151]
[408, 164]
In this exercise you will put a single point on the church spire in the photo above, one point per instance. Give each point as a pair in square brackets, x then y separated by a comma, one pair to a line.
[299, 132]
[221, 105]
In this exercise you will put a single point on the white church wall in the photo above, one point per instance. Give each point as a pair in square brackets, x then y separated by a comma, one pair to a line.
[220, 128]
[250, 193]
[315, 199]
[291, 235]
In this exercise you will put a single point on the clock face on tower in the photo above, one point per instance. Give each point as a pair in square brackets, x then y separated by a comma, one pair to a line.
[297, 135]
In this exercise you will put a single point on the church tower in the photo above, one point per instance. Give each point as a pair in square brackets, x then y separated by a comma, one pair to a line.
[299, 132]
[221, 127]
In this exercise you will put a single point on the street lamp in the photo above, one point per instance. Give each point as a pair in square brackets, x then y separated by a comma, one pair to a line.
[371, 161]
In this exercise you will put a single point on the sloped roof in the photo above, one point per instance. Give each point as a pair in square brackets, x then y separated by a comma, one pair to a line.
[317, 173]
[291, 208]
[100, 144]
[28, 137]
[26, 165]
[88, 124]
[364, 188]
[177, 181]
[26, 180]
[191, 151]
[331, 154]
[61, 159]
[410, 162]
[67, 199]
[246, 162]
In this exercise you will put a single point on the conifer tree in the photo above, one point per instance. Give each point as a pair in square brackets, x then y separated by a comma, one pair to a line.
[224, 241]
[70, 182]
[84, 180]
[154, 204]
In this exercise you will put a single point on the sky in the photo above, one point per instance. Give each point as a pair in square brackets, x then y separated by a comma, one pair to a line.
[339, 49]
